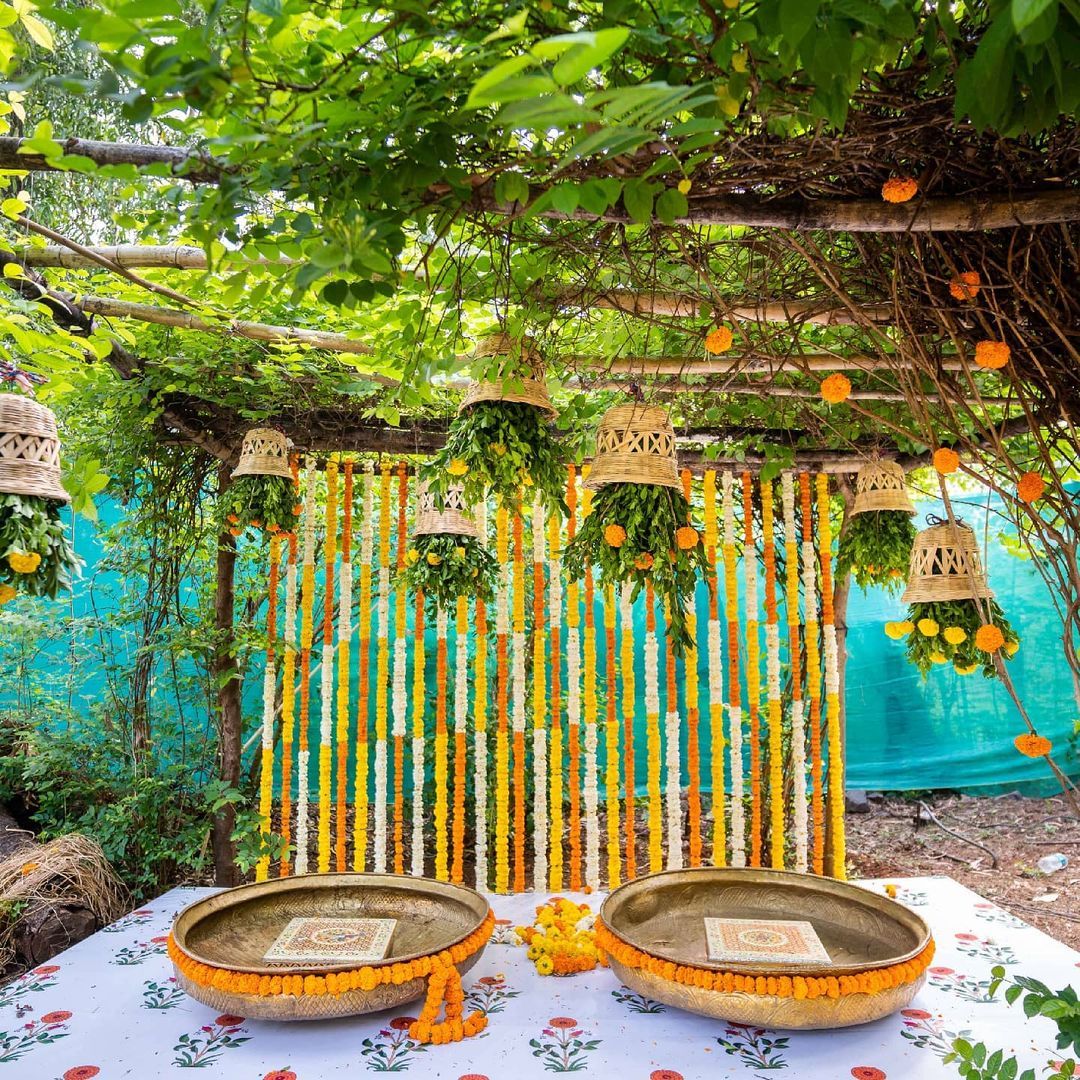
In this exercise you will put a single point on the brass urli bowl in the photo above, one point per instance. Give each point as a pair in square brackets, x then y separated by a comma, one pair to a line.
[235, 928]
[663, 915]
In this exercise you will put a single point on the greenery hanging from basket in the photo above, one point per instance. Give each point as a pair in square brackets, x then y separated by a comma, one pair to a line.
[502, 441]
[875, 548]
[954, 632]
[263, 493]
[36, 556]
[445, 566]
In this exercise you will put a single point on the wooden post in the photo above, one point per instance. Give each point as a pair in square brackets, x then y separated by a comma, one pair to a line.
[227, 675]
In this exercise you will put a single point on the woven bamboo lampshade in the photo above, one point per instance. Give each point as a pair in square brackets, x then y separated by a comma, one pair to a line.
[880, 485]
[635, 444]
[29, 449]
[528, 387]
[945, 565]
[264, 452]
[454, 518]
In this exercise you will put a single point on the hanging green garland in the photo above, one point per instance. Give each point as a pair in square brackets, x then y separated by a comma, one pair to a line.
[953, 632]
[445, 566]
[875, 548]
[260, 502]
[36, 556]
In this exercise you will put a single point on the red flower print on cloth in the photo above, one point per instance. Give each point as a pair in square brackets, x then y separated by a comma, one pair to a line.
[941, 971]
[967, 937]
[280, 1074]
[228, 1020]
[665, 1074]
[472, 1076]
[563, 1022]
[867, 1072]
[81, 1072]
[57, 1017]
[48, 969]
[916, 1014]
[402, 1023]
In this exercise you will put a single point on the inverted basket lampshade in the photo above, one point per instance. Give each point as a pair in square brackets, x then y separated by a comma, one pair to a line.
[265, 452]
[881, 486]
[527, 386]
[635, 444]
[945, 565]
[455, 517]
[29, 449]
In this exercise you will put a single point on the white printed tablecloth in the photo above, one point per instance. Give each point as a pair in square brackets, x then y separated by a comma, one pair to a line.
[109, 1008]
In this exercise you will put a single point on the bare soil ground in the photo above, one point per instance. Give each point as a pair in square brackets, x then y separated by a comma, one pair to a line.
[899, 839]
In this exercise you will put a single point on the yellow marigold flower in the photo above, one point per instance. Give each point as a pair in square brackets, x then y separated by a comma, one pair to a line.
[412, 556]
[433, 559]
[614, 535]
[1033, 746]
[684, 187]
[24, 562]
[894, 630]
[955, 635]
[965, 669]
[907, 626]
[937, 658]
[989, 638]
[457, 467]
[1011, 648]
[498, 449]
[992, 354]
[835, 388]
[533, 953]
[965, 286]
[899, 189]
[890, 891]
[545, 965]
[7, 594]
[459, 553]
[927, 627]
[719, 339]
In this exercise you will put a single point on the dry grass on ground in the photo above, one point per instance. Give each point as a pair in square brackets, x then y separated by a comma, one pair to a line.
[887, 842]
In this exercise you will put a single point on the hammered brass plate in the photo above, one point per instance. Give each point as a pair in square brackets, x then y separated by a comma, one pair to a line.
[663, 914]
[234, 929]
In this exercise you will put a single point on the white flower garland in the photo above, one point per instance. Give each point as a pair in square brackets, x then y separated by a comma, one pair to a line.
[555, 769]
[674, 792]
[360, 780]
[480, 741]
[652, 723]
[811, 629]
[306, 630]
[798, 723]
[288, 704]
[540, 748]
[738, 814]
[379, 825]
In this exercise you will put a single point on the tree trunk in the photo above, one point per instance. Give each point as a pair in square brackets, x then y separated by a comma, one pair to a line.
[227, 675]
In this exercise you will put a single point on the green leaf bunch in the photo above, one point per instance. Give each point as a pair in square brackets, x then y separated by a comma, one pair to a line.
[266, 500]
[921, 648]
[510, 451]
[445, 566]
[651, 515]
[875, 548]
[28, 524]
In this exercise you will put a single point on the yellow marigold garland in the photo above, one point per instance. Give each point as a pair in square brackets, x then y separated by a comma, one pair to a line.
[480, 732]
[307, 601]
[517, 685]
[693, 716]
[573, 692]
[502, 733]
[798, 728]
[611, 746]
[539, 702]
[772, 682]
[399, 694]
[461, 711]
[652, 733]
[813, 673]
[382, 676]
[360, 778]
[753, 667]
[590, 782]
[326, 671]
[266, 757]
[717, 742]
[799, 987]
[344, 634]
[731, 604]
[442, 748]
[555, 768]
[629, 709]
[419, 736]
[288, 701]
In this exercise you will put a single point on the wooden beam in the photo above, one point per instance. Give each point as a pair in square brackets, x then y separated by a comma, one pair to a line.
[747, 364]
[923, 214]
[172, 257]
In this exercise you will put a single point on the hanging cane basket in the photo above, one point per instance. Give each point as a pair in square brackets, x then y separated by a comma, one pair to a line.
[29, 449]
[527, 389]
[881, 486]
[635, 444]
[453, 519]
[945, 565]
[265, 452]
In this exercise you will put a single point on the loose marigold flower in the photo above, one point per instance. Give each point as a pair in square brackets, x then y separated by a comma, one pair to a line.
[644, 561]
[24, 562]
[894, 630]
[614, 535]
[965, 286]
[7, 593]
[433, 559]
[899, 189]
[992, 354]
[955, 635]
[457, 467]
[836, 388]
[687, 538]
[989, 638]
[719, 339]
[927, 627]
[1030, 487]
[964, 669]
[1032, 746]
[946, 461]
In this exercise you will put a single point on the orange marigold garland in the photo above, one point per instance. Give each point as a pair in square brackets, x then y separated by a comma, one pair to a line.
[590, 782]
[382, 677]
[445, 991]
[555, 766]
[461, 714]
[266, 757]
[307, 600]
[360, 778]
[799, 987]
[629, 711]
[716, 678]
[539, 702]
[344, 636]
[399, 701]
[419, 734]
[731, 606]
[772, 682]
[813, 673]
[611, 745]
[1032, 745]
[326, 670]
[992, 355]
[288, 703]
[480, 735]
[502, 697]
[517, 690]
[753, 668]
[693, 716]
[798, 725]
[899, 189]
[573, 693]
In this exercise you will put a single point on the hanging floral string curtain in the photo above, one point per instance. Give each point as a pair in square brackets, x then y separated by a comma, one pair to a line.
[546, 722]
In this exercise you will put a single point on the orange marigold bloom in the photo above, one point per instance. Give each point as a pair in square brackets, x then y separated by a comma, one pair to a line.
[1030, 487]
[946, 460]
[992, 354]
[965, 286]
[614, 535]
[899, 189]
[836, 388]
[687, 538]
[989, 638]
[1031, 745]
[644, 561]
[719, 339]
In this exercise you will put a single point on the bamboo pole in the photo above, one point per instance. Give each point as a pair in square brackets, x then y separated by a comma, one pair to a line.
[167, 256]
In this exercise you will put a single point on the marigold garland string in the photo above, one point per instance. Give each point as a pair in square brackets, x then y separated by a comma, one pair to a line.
[307, 600]
[591, 782]
[344, 637]
[266, 762]
[573, 692]
[442, 748]
[629, 703]
[772, 682]
[717, 742]
[672, 764]
[399, 700]
[517, 690]
[693, 717]
[382, 676]
[360, 779]
[461, 716]
[480, 713]
[539, 703]
[813, 671]
[652, 734]
[288, 705]
[832, 686]
[753, 667]
[502, 691]
[555, 803]
[418, 741]
[731, 596]
[326, 670]
[611, 745]
[798, 725]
